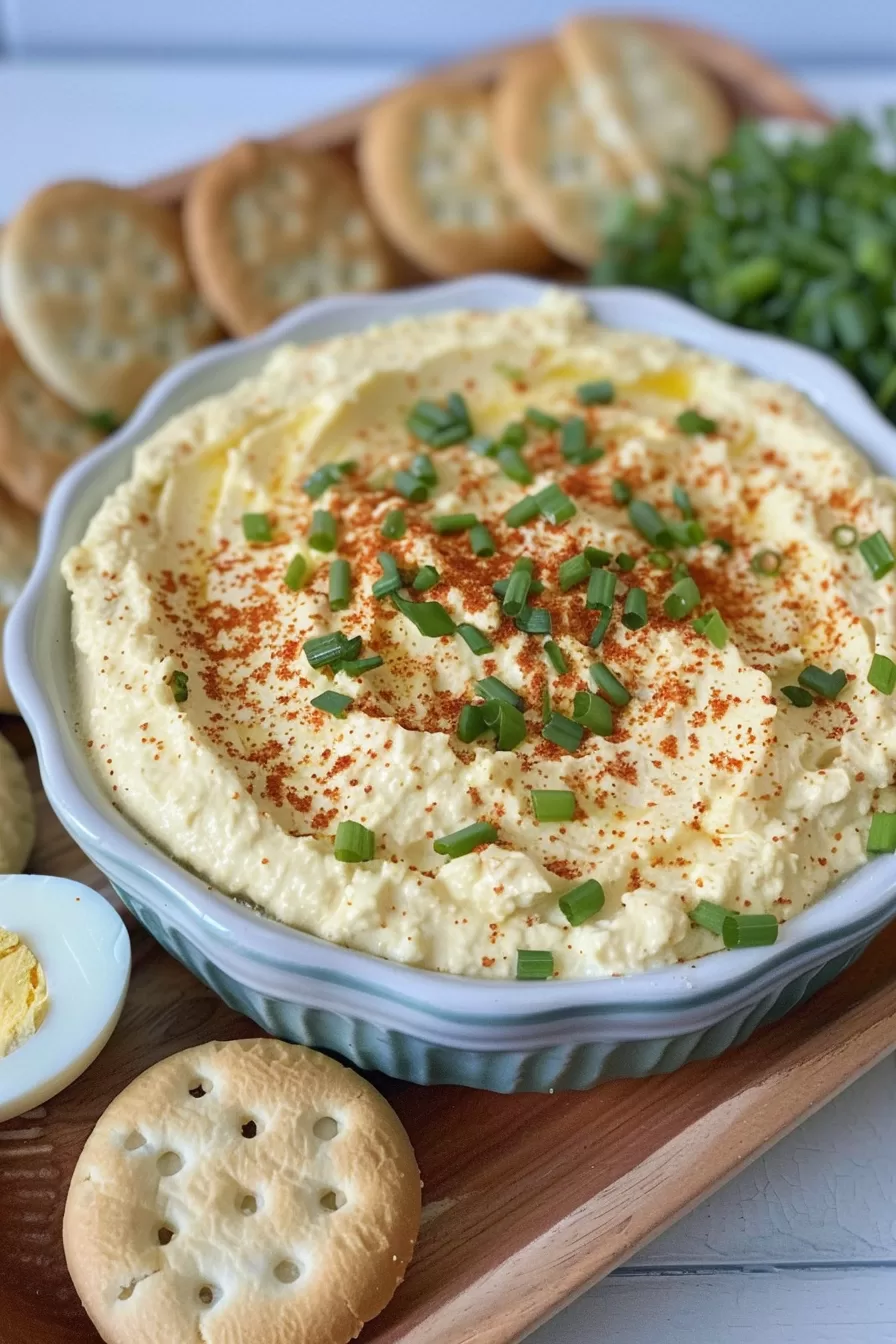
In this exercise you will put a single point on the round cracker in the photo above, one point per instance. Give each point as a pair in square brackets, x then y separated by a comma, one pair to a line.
[242, 1190]
[17, 823]
[96, 291]
[565, 180]
[268, 226]
[40, 435]
[433, 179]
[18, 549]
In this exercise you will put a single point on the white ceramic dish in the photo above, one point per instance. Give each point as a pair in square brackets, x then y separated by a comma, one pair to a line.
[412, 1023]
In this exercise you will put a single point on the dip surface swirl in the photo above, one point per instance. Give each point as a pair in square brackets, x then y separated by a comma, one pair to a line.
[711, 786]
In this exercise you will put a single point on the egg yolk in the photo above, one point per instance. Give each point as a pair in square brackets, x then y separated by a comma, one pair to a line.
[23, 992]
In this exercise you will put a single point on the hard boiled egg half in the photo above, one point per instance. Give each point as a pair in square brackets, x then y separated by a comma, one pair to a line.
[65, 959]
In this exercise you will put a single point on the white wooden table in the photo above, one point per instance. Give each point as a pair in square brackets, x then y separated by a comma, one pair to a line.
[801, 1247]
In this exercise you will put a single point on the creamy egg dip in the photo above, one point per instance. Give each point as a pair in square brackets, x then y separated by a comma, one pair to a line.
[500, 644]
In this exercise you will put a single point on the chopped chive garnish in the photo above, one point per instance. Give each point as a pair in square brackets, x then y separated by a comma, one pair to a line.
[507, 721]
[513, 435]
[105, 422]
[482, 543]
[354, 843]
[411, 486]
[723, 544]
[295, 572]
[882, 674]
[593, 712]
[563, 732]
[797, 696]
[499, 588]
[466, 840]
[844, 536]
[650, 523]
[430, 618]
[523, 511]
[575, 445]
[423, 468]
[827, 684]
[553, 804]
[518, 586]
[474, 639]
[680, 571]
[322, 650]
[767, 562]
[750, 931]
[682, 501]
[356, 667]
[441, 426]
[681, 599]
[340, 585]
[471, 723]
[611, 686]
[511, 462]
[599, 393]
[330, 474]
[601, 628]
[634, 611]
[534, 621]
[546, 703]
[257, 527]
[582, 902]
[659, 559]
[457, 407]
[351, 650]
[555, 504]
[391, 580]
[322, 536]
[483, 446]
[601, 589]
[710, 916]
[882, 835]
[534, 965]
[687, 532]
[597, 557]
[625, 562]
[180, 686]
[492, 688]
[432, 414]
[332, 702]
[692, 422]
[713, 627]
[621, 491]
[541, 419]
[453, 522]
[555, 656]
[572, 571]
[394, 525]
[427, 577]
[877, 554]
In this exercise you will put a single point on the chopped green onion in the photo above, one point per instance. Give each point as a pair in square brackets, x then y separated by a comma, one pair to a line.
[844, 536]
[710, 916]
[563, 732]
[555, 504]
[483, 446]
[767, 562]
[423, 468]
[546, 703]
[680, 571]
[541, 419]
[430, 618]
[572, 571]
[441, 426]
[797, 696]
[351, 650]
[575, 445]
[105, 422]
[625, 562]
[332, 702]
[391, 580]
[723, 544]
[882, 835]
[257, 527]
[692, 422]
[492, 688]
[322, 650]
[882, 674]
[354, 843]
[582, 902]
[432, 413]
[659, 559]
[427, 577]
[411, 486]
[611, 686]
[634, 611]
[523, 511]
[499, 588]
[827, 684]
[749, 931]
[482, 543]
[356, 667]
[466, 840]
[511, 462]
[295, 572]
[534, 621]
[471, 723]
[458, 407]
[394, 525]
[555, 656]
[513, 435]
[650, 523]
[320, 480]
[682, 501]
[533, 965]
[688, 532]
[877, 554]
[322, 536]
[621, 491]
[518, 586]
[453, 522]
[180, 686]
[507, 721]
[601, 628]
[599, 393]
[601, 589]
[474, 639]
[681, 599]
[593, 712]
[553, 804]
[596, 557]
[713, 627]
[340, 585]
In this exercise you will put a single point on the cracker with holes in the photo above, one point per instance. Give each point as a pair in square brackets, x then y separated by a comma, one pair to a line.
[566, 181]
[430, 171]
[18, 549]
[96, 291]
[40, 435]
[246, 1191]
[268, 226]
